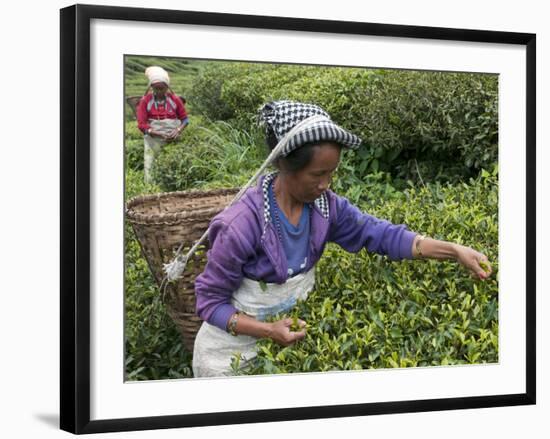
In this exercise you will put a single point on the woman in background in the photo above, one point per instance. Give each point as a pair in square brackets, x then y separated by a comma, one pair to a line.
[161, 116]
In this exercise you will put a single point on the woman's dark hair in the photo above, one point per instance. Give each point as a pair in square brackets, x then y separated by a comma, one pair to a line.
[297, 159]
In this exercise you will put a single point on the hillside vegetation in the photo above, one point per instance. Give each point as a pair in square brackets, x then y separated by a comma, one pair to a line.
[428, 160]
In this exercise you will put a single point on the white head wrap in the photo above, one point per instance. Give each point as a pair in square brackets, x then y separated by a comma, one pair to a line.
[157, 74]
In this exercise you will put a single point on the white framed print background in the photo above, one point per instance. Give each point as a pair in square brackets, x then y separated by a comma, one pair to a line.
[97, 40]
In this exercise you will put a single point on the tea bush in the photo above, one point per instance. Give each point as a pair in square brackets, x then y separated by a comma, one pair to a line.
[366, 311]
[441, 125]
[369, 312]
[133, 146]
[152, 342]
[209, 152]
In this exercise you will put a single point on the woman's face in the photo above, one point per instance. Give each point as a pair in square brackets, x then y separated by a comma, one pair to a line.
[309, 183]
[159, 89]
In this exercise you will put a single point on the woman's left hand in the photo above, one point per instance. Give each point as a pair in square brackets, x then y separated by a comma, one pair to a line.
[474, 261]
[174, 134]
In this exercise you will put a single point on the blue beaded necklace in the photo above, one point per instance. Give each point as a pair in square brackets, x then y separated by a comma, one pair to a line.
[276, 209]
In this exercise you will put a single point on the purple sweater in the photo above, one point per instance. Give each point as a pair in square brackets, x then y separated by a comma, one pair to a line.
[244, 242]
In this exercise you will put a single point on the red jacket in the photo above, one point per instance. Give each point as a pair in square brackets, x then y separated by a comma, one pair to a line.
[147, 109]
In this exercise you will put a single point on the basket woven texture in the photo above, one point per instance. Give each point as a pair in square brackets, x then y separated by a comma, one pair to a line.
[162, 222]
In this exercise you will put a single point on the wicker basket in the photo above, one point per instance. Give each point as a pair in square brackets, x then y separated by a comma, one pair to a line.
[161, 223]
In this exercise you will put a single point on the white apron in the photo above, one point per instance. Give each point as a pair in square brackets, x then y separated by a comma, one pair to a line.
[153, 145]
[214, 347]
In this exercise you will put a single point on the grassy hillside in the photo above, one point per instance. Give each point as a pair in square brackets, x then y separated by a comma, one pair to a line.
[182, 72]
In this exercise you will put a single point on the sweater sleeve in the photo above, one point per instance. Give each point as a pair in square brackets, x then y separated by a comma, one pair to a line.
[229, 251]
[354, 230]
[180, 110]
[141, 115]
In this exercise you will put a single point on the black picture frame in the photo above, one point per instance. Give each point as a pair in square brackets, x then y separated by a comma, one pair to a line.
[75, 217]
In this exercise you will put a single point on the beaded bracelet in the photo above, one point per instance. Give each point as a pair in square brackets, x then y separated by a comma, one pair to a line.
[422, 237]
[232, 326]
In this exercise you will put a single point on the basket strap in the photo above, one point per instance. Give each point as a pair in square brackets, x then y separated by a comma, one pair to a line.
[175, 268]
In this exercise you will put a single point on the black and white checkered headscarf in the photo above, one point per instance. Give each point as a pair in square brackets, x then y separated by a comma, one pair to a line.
[282, 116]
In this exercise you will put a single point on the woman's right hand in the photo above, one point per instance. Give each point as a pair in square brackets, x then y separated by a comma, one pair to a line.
[281, 333]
